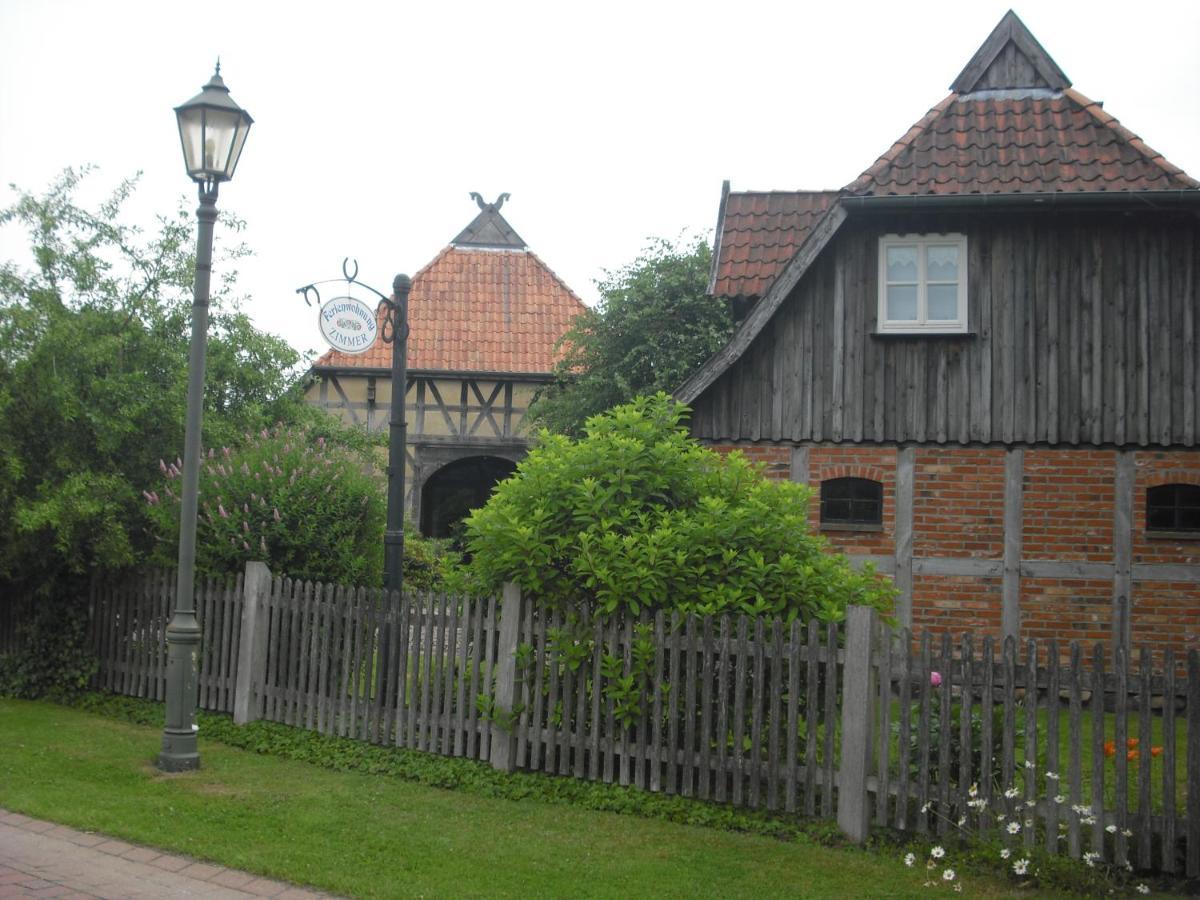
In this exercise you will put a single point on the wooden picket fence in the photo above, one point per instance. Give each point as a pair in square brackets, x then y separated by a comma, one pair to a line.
[844, 720]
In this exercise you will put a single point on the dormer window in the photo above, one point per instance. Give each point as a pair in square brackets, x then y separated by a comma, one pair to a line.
[923, 284]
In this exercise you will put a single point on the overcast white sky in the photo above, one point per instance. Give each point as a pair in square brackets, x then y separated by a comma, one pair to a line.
[608, 122]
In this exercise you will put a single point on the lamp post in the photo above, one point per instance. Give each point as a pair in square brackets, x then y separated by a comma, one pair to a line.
[397, 335]
[212, 129]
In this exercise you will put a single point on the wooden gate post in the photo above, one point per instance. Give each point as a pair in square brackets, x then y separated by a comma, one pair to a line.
[252, 644]
[503, 750]
[858, 713]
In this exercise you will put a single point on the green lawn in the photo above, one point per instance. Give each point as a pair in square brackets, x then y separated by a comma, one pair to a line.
[378, 836]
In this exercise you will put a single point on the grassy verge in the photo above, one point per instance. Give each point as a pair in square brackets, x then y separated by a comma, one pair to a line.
[366, 834]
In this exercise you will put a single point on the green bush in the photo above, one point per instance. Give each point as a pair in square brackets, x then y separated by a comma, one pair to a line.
[52, 658]
[636, 514]
[298, 499]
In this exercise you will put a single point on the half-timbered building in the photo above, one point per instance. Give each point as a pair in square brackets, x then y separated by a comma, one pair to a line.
[484, 318]
[983, 355]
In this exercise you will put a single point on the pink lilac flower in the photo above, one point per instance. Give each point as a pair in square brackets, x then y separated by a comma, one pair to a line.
[935, 678]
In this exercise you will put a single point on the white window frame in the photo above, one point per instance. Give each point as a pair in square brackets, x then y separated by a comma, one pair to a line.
[922, 325]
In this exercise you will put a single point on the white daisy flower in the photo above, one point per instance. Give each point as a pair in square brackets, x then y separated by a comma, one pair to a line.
[937, 852]
[1143, 889]
[1111, 829]
[1021, 866]
[1127, 833]
[1005, 853]
[1011, 793]
[948, 875]
[1060, 799]
[909, 859]
[1053, 775]
[1014, 826]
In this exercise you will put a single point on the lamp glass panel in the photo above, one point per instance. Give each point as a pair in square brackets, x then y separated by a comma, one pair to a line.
[191, 134]
[220, 129]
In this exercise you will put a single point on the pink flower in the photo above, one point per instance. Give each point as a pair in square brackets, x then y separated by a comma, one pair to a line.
[245, 527]
[221, 510]
[148, 496]
[225, 450]
[245, 469]
[935, 678]
[162, 466]
[244, 544]
[276, 515]
[210, 453]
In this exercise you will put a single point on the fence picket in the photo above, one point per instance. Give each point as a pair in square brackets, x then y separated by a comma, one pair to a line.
[552, 701]
[965, 739]
[656, 687]
[741, 683]
[1145, 737]
[987, 711]
[946, 664]
[704, 788]
[1121, 787]
[722, 700]
[829, 712]
[537, 725]
[883, 737]
[1096, 705]
[477, 658]
[610, 731]
[425, 725]
[810, 714]
[597, 660]
[563, 738]
[1169, 762]
[1008, 754]
[491, 629]
[923, 799]
[1075, 740]
[774, 709]
[228, 658]
[1053, 708]
[1192, 815]
[756, 714]
[688, 769]
[460, 706]
[1030, 754]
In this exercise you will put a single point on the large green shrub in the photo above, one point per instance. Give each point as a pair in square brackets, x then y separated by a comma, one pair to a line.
[292, 497]
[636, 514]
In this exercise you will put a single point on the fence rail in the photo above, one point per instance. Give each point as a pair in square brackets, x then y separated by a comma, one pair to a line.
[1087, 750]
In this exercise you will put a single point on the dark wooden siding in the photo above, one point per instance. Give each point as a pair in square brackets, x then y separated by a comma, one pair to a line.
[1084, 331]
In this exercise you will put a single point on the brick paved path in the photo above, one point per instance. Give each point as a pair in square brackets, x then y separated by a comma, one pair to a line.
[41, 859]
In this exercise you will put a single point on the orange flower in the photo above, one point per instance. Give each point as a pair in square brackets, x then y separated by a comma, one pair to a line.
[1110, 748]
[1156, 751]
[1132, 755]
[1131, 743]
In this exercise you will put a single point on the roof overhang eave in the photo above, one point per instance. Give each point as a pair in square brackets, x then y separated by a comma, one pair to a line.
[1188, 198]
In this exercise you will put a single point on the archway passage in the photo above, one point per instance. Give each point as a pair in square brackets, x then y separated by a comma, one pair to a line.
[456, 489]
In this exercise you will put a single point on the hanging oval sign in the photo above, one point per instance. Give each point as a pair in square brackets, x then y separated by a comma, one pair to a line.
[348, 324]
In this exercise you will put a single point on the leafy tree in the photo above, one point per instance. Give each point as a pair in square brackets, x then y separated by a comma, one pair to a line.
[93, 377]
[653, 327]
[636, 514]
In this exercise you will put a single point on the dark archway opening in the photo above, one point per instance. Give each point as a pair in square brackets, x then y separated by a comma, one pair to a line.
[456, 489]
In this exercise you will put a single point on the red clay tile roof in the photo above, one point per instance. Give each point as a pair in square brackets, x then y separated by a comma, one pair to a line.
[993, 143]
[758, 233]
[474, 310]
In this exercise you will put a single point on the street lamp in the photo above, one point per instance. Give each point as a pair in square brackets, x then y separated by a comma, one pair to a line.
[212, 129]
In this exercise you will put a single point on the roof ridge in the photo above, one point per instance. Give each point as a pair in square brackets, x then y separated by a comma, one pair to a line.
[901, 145]
[1108, 120]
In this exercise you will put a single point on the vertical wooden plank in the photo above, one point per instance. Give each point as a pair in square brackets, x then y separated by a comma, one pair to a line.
[829, 717]
[437, 663]
[1169, 761]
[549, 759]
[345, 661]
[362, 662]
[706, 710]
[1121, 778]
[883, 737]
[794, 663]
[449, 651]
[416, 657]
[206, 629]
[741, 683]
[1053, 785]
[774, 711]
[143, 631]
[612, 649]
[754, 770]
[462, 700]
[923, 717]
[382, 650]
[1192, 813]
[1075, 736]
[537, 737]
[323, 622]
[1096, 706]
[477, 657]
[946, 667]
[301, 684]
[527, 687]
[1031, 742]
[642, 744]
[966, 776]
[690, 664]
[1008, 758]
[581, 701]
[987, 738]
[1146, 741]
[228, 659]
[725, 651]
[425, 723]
[491, 634]
[811, 716]
[597, 689]
[656, 685]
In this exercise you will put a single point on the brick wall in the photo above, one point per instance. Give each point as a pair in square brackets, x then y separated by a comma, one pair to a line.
[1069, 498]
